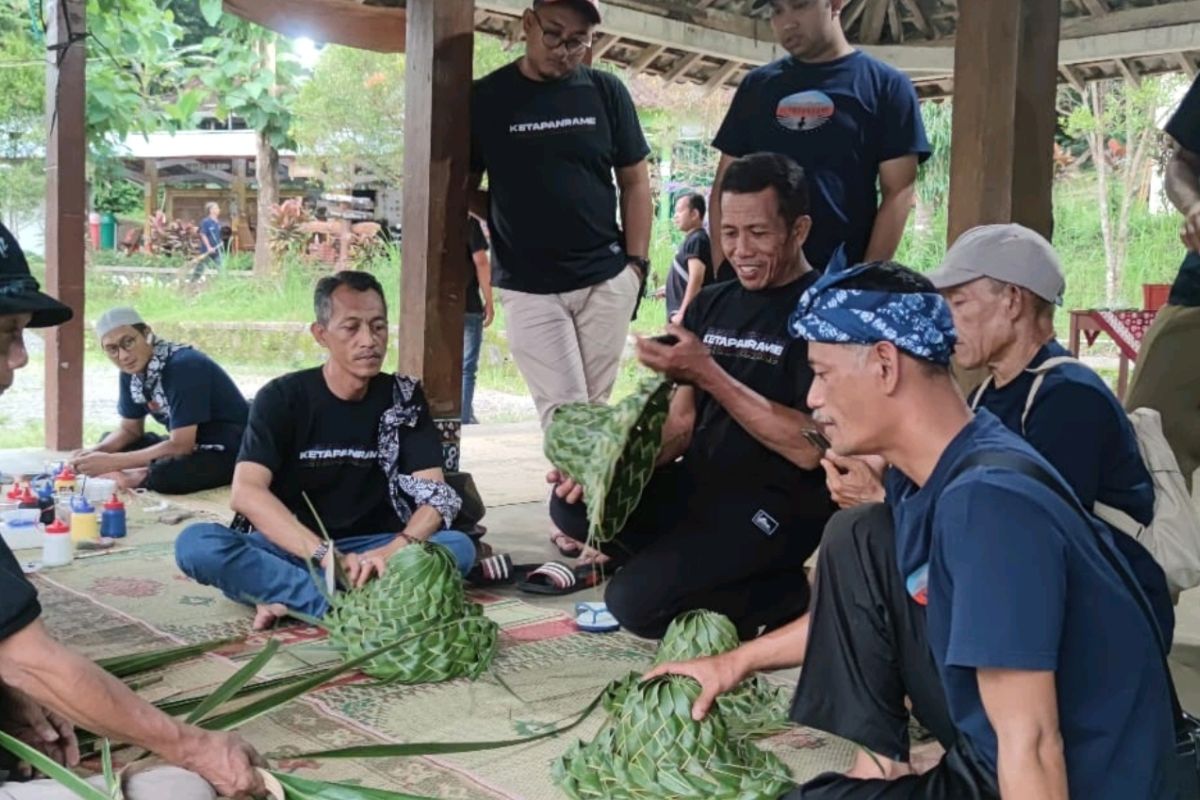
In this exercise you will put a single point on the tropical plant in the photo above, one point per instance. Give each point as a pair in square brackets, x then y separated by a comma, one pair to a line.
[754, 708]
[610, 451]
[289, 234]
[652, 749]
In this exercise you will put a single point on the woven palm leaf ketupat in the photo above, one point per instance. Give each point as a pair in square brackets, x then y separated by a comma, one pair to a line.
[653, 750]
[755, 708]
[421, 591]
[610, 451]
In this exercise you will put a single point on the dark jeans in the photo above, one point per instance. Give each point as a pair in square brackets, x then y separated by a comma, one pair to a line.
[195, 472]
[867, 652]
[687, 547]
[472, 344]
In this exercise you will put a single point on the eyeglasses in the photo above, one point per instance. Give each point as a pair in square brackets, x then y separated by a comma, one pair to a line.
[554, 40]
[126, 343]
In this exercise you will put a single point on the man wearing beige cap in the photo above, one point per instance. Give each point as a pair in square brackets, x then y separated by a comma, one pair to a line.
[1002, 283]
[182, 389]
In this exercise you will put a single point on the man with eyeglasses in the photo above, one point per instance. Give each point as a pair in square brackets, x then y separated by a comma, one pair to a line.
[182, 389]
[852, 121]
[550, 133]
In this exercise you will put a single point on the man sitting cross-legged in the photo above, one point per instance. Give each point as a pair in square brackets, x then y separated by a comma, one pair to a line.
[738, 502]
[358, 443]
[982, 592]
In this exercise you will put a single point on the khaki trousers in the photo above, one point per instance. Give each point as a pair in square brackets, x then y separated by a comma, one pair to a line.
[568, 346]
[157, 783]
[1167, 379]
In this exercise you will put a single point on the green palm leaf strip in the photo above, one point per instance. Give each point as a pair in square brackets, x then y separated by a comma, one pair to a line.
[443, 748]
[303, 789]
[110, 777]
[51, 768]
[610, 451]
[130, 665]
[227, 690]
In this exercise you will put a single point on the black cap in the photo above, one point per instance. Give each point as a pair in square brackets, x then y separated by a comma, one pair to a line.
[19, 291]
[589, 8]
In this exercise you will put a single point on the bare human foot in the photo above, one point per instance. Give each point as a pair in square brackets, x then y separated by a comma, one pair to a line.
[592, 556]
[266, 615]
[871, 766]
[128, 479]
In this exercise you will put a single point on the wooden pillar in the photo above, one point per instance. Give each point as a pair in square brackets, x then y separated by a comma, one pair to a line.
[1005, 80]
[438, 57]
[66, 222]
[240, 217]
[151, 170]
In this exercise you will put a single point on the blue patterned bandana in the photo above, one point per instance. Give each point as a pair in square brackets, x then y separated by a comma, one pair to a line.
[918, 324]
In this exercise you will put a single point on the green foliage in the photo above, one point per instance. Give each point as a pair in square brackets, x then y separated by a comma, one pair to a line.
[252, 73]
[933, 181]
[115, 195]
[350, 115]
[139, 73]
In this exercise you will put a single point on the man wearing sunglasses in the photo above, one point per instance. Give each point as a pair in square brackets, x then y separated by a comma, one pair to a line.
[186, 392]
[550, 133]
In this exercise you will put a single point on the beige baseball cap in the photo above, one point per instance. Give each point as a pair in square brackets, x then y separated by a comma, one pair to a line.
[115, 318]
[1008, 253]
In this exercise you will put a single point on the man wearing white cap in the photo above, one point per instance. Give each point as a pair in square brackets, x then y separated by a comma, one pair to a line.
[183, 390]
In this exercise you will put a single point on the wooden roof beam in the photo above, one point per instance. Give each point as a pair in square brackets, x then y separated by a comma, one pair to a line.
[1187, 65]
[682, 65]
[647, 57]
[720, 76]
[1073, 79]
[917, 14]
[873, 19]
[603, 45]
[1131, 77]
[1096, 8]
[894, 23]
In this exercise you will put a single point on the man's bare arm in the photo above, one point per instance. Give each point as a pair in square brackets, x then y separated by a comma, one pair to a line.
[897, 184]
[677, 430]
[637, 208]
[1182, 182]
[1023, 709]
[478, 200]
[252, 497]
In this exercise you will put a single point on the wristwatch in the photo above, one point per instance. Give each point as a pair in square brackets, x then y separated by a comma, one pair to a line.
[641, 263]
[319, 554]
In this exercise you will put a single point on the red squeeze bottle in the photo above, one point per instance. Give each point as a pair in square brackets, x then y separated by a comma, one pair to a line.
[28, 499]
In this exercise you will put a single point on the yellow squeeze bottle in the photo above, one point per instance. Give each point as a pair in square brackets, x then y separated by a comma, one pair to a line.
[85, 527]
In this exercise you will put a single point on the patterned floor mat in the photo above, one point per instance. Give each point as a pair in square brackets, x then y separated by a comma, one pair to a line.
[135, 599]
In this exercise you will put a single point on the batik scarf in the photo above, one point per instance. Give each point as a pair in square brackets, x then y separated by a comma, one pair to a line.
[405, 413]
[146, 388]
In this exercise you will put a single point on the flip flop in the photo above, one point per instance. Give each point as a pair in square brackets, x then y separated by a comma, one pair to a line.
[492, 571]
[556, 578]
[595, 618]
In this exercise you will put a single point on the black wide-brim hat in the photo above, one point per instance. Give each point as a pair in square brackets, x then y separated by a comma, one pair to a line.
[19, 290]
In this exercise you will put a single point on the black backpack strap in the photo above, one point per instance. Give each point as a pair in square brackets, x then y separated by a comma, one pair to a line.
[1026, 466]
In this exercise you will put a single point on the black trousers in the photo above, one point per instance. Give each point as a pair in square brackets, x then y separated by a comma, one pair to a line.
[689, 547]
[195, 472]
[867, 653]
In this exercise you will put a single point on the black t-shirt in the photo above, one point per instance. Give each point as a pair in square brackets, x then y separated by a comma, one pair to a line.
[1184, 127]
[839, 120]
[549, 151]
[198, 392]
[476, 243]
[18, 599]
[316, 443]
[696, 245]
[747, 333]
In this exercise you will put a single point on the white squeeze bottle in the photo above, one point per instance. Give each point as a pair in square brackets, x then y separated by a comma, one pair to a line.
[57, 547]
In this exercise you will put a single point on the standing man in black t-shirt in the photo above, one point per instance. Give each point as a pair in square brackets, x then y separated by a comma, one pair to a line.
[692, 267]
[852, 122]
[46, 689]
[480, 312]
[551, 134]
[739, 501]
[357, 443]
[1167, 377]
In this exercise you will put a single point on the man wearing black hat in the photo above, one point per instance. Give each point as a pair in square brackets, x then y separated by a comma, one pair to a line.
[852, 121]
[46, 689]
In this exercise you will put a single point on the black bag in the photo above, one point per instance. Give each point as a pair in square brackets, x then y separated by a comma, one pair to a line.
[473, 507]
[1187, 727]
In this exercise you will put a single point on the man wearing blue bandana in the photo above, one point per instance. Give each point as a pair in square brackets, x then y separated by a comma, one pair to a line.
[738, 503]
[982, 594]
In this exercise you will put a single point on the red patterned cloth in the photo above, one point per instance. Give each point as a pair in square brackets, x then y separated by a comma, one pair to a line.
[1126, 328]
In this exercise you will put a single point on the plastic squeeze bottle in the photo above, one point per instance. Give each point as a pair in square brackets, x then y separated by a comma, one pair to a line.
[57, 547]
[64, 482]
[112, 519]
[84, 525]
